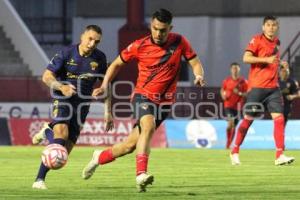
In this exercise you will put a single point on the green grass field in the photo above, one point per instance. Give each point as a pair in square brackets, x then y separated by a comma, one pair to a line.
[179, 174]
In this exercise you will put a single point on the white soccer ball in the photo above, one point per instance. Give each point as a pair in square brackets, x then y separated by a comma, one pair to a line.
[55, 156]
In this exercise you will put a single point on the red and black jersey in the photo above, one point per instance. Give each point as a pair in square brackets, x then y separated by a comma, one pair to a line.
[263, 75]
[158, 65]
[233, 100]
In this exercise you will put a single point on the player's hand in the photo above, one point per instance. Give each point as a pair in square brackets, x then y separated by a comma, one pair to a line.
[199, 81]
[68, 90]
[98, 92]
[109, 122]
[223, 95]
[290, 97]
[272, 59]
[284, 64]
[236, 91]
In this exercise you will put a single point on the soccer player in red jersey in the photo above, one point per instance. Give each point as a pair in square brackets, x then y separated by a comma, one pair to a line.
[158, 57]
[233, 93]
[263, 54]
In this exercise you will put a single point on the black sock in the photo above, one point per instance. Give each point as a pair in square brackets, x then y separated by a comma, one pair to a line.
[49, 135]
[42, 172]
[43, 169]
[59, 141]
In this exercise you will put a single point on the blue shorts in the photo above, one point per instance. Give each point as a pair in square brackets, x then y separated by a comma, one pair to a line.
[72, 113]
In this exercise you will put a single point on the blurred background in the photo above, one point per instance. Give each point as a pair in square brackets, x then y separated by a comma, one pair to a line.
[32, 31]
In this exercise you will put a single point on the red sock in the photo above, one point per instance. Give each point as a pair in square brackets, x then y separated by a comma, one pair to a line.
[141, 163]
[106, 156]
[279, 135]
[230, 135]
[241, 133]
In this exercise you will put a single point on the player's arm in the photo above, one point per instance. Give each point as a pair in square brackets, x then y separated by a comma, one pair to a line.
[50, 80]
[250, 58]
[223, 94]
[108, 119]
[112, 71]
[241, 93]
[198, 71]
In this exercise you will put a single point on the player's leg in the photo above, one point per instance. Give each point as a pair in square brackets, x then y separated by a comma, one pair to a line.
[286, 113]
[275, 107]
[240, 136]
[230, 129]
[229, 132]
[60, 135]
[236, 121]
[252, 108]
[150, 120]
[101, 157]
[147, 123]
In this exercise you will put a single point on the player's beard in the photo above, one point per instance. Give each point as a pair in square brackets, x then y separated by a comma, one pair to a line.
[88, 51]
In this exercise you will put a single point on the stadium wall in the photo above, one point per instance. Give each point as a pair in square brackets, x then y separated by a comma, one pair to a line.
[96, 8]
[22, 39]
[218, 41]
[204, 133]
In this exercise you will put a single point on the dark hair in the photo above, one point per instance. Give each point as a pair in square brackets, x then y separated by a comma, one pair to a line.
[269, 17]
[95, 28]
[234, 63]
[163, 15]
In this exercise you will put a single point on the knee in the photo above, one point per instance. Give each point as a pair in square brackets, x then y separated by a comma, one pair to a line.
[230, 124]
[61, 131]
[148, 129]
[147, 124]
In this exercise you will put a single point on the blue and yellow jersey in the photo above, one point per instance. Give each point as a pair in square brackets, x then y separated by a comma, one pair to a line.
[82, 72]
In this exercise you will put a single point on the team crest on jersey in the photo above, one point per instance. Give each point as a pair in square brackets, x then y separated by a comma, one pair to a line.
[144, 106]
[72, 62]
[94, 65]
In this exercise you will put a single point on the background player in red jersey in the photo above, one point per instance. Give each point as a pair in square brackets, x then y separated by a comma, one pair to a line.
[233, 93]
[158, 57]
[290, 91]
[263, 54]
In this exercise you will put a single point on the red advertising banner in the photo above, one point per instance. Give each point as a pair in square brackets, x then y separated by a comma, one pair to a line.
[93, 132]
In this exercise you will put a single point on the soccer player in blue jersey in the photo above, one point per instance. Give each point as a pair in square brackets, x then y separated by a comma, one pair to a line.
[71, 75]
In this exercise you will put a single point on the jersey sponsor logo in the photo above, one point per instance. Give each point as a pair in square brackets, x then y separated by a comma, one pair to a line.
[171, 51]
[72, 62]
[94, 65]
[81, 76]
